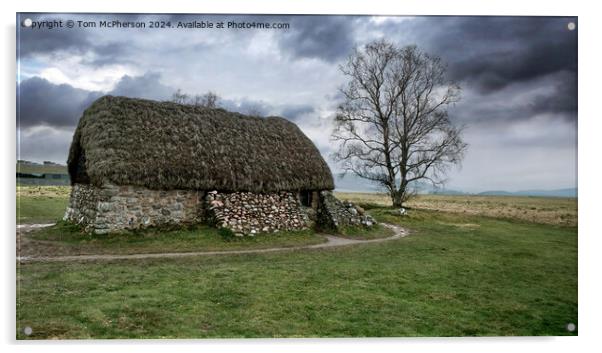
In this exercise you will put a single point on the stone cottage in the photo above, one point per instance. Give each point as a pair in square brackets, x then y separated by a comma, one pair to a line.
[136, 163]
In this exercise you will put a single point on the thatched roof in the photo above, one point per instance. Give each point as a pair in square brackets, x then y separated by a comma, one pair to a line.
[163, 145]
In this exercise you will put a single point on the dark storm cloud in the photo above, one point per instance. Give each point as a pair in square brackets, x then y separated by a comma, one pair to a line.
[493, 52]
[563, 100]
[329, 38]
[553, 96]
[324, 37]
[49, 41]
[112, 53]
[60, 106]
[32, 42]
[501, 63]
[44, 103]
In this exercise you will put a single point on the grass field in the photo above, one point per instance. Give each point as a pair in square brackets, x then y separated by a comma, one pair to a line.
[546, 210]
[41, 204]
[457, 274]
[65, 239]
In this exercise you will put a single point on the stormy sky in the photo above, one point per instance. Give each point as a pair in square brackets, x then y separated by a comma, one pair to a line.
[518, 77]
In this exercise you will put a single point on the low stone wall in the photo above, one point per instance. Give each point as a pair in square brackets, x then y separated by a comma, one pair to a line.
[248, 213]
[112, 208]
[334, 213]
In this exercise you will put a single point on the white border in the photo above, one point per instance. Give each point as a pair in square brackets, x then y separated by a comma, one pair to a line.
[589, 194]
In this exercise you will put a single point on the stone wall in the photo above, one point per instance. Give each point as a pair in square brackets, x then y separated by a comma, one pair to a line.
[112, 208]
[248, 213]
[334, 213]
[82, 205]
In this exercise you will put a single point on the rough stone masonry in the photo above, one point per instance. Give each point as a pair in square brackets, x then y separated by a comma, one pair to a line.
[247, 213]
[113, 208]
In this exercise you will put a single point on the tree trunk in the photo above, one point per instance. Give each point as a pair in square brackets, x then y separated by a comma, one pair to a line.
[397, 199]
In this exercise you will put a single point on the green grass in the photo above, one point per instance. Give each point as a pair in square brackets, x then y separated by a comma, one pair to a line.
[455, 275]
[67, 239]
[40, 209]
[365, 233]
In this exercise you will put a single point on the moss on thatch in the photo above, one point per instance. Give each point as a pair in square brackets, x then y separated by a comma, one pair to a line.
[163, 145]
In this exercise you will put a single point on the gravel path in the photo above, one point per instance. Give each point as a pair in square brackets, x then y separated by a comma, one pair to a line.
[332, 241]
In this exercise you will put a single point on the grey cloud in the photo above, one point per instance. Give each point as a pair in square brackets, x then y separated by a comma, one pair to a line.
[33, 41]
[563, 100]
[112, 53]
[43, 103]
[247, 106]
[498, 61]
[45, 41]
[296, 112]
[147, 86]
[44, 144]
[548, 97]
[324, 37]
[492, 52]
[292, 112]
[329, 38]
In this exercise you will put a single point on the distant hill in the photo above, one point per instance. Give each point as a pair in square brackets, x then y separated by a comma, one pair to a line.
[569, 192]
[39, 168]
[495, 193]
[447, 192]
[352, 183]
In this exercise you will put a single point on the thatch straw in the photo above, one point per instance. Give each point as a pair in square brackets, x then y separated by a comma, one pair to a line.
[163, 145]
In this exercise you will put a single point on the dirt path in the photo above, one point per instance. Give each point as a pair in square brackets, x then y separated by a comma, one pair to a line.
[29, 227]
[332, 241]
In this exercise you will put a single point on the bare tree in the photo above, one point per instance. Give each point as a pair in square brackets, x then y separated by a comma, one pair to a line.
[393, 126]
[196, 100]
[179, 97]
[254, 110]
[208, 100]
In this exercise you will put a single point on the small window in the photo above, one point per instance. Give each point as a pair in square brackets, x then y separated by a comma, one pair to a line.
[305, 198]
